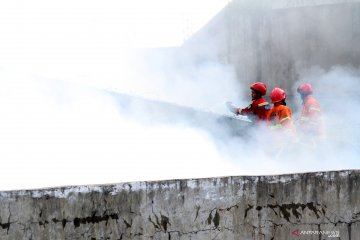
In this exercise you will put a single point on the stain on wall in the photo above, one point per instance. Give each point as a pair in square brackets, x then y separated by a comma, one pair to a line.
[310, 205]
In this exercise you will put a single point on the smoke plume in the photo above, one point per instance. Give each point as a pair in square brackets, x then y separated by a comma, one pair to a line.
[65, 120]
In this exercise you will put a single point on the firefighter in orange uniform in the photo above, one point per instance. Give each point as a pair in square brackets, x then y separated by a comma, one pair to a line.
[310, 123]
[259, 108]
[280, 115]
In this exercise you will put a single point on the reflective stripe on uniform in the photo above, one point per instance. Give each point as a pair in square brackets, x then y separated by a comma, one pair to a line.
[304, 119]
[285, 118]
[314, 109]
[277, 126]
[263, 104]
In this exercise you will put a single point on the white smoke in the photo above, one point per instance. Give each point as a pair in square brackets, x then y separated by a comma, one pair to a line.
[55, 133]
[337, 93]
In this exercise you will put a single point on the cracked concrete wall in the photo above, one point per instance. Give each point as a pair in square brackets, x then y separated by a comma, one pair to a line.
[242, 207]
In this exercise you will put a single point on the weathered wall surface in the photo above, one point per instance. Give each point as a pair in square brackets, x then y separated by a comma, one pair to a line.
[276, 41]
[259, 207]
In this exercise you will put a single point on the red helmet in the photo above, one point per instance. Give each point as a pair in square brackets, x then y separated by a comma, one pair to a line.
[259, 87]
[277, 95]
[305, 89]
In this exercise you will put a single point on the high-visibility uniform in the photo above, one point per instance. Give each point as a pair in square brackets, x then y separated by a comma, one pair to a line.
[310, 120]
[282, 131]
[257, 110]
[280, 119]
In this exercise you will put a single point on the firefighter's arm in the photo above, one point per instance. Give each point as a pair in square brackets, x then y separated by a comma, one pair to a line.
[232, 108]
[287, 123]
[314, 112]
[285, 117]
[311, 114]
[248, 110]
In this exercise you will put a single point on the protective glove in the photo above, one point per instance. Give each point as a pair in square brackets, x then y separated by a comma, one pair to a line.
[231, 107]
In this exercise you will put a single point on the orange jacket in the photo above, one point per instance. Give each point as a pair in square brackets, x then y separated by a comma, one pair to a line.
[258, 110]
[280, 118]
[310, 120]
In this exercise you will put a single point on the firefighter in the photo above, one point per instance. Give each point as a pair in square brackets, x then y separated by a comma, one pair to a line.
[259, 108]
[282, 134]
[280, 115]
[310, 123]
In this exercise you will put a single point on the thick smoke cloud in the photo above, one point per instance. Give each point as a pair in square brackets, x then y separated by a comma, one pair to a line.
[59, 126]
[337, 92]
[55, 133]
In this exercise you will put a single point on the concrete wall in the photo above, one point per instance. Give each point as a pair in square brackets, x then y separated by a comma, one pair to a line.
[276, 41]
[245, 207]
